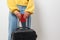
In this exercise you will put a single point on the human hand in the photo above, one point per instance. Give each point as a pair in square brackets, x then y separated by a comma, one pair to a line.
[18, 14]
[26, 14]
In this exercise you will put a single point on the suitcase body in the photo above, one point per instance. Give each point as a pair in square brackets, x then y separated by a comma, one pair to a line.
[24, 34]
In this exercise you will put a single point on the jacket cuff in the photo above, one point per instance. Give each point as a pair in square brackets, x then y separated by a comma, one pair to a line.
[15, 10]
[29, 12]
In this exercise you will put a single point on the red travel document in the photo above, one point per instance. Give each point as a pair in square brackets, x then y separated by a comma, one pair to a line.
[22, 19]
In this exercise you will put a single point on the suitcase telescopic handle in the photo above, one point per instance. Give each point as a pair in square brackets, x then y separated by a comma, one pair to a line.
[23, 20]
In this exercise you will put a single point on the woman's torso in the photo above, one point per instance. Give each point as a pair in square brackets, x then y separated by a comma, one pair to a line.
[22, 2]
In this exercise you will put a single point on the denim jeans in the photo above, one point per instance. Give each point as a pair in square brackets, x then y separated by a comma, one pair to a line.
[13, 21]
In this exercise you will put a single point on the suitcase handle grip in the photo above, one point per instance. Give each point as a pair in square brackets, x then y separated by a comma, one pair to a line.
[23, 28]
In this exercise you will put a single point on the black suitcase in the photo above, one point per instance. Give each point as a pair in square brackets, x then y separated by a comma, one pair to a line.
[24, 34]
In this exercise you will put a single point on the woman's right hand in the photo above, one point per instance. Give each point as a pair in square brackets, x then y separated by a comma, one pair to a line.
[18, 14]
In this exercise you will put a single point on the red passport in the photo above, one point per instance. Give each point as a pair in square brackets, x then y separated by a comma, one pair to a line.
[22, 19]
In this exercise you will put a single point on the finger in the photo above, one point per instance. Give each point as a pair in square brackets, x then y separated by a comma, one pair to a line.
[19, 16]
[24, 16]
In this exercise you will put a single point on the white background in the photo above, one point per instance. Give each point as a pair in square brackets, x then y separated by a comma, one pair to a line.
[45, 20]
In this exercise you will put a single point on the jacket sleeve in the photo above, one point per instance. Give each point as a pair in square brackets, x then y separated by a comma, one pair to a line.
[12, 5]
[30, 6]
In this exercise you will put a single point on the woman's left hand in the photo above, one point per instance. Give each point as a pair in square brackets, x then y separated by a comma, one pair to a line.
[26, 14]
